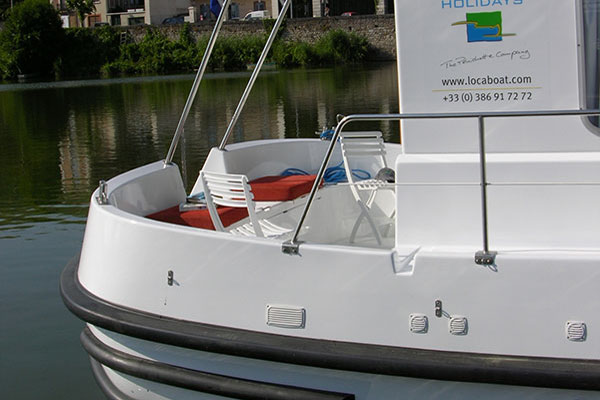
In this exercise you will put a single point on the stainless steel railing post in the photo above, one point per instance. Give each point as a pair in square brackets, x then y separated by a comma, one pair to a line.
[484, 257]
[196, 84]
[259, 64]
[291, 246]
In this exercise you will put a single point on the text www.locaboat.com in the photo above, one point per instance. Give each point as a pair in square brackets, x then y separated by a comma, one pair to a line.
[488, 89]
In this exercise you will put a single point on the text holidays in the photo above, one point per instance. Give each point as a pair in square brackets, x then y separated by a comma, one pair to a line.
[479, 3]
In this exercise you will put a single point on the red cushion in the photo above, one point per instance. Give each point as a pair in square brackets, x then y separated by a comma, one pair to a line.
[281, 188]
[199, 218]
[268, 188]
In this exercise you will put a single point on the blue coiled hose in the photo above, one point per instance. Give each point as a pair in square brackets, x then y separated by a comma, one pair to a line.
[336, 174]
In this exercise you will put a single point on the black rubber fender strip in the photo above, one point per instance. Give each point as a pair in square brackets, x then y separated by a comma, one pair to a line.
[197, 380]
[108, 388]
[547, 372]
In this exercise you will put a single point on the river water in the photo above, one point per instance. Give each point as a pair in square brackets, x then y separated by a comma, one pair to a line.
[58, 139]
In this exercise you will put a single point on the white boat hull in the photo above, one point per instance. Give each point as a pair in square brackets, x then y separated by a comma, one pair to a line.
[471, 273]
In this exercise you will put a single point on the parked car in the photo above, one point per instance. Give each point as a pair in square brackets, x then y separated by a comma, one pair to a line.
[175, 20]
[349, 13]
[262, 14]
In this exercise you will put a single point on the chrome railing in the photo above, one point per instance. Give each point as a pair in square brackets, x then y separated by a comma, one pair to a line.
[197, 80]
[259, 64]
[483, 257]
[200, 74]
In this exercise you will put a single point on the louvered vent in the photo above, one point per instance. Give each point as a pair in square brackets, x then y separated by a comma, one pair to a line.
[576, 331]
[286, 317]
[418, 323]
[458, 325]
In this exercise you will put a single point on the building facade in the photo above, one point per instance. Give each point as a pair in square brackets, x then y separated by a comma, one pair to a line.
[137, 12]
[155, 12]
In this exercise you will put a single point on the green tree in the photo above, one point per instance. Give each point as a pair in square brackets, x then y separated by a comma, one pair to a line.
[5, 6]
[30, 40]
[84, 51]
[82, 8]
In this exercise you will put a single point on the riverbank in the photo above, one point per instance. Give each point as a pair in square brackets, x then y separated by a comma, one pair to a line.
[158, 53]
[378, 30]
[117, 51]
[112, 52]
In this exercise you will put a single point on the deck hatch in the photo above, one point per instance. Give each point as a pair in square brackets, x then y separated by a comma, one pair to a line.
[286, 317]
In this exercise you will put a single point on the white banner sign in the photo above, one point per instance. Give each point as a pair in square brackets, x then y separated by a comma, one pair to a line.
[485, 55]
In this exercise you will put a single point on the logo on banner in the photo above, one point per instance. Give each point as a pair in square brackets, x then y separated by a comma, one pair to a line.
[484, 27]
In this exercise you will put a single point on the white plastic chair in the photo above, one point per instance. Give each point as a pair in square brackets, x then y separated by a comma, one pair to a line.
[231, 190]
[369, 149]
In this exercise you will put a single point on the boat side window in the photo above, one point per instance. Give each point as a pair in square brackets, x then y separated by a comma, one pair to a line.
[591, 46]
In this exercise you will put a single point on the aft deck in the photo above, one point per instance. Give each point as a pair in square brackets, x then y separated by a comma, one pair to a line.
[279, 199]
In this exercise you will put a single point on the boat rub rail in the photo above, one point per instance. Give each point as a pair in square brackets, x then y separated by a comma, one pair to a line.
[366, 358]
[204, 382]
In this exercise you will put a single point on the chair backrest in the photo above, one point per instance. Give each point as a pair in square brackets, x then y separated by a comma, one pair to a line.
[228, 190]
[367, 152]
[367, 149]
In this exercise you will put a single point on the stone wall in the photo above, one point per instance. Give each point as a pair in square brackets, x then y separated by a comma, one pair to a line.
[378, 29]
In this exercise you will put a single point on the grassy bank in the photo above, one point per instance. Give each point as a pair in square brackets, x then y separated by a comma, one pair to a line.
[157, 54]
[85, 52]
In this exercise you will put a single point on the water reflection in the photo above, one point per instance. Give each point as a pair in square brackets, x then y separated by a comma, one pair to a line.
[59, 139]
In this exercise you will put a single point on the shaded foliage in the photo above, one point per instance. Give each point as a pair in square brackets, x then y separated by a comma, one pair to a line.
[30, 39]
[155, 53]
[85, 51]
[35, 41]
[5, 7]
[336, 47]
